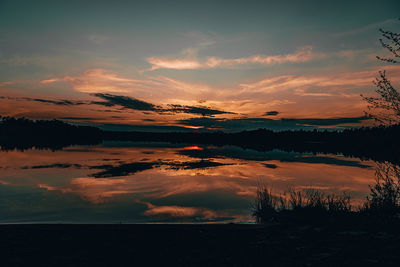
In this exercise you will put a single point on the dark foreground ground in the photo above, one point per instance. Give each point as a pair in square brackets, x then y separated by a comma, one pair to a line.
[196, 245]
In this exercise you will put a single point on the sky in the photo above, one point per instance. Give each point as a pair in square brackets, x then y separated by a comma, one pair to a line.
[193, 65]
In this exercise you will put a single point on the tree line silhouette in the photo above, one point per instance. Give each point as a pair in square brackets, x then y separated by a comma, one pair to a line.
[376, 143]
[379, 143]
[22, 133]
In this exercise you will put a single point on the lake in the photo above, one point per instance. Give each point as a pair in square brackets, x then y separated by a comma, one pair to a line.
[130, 182]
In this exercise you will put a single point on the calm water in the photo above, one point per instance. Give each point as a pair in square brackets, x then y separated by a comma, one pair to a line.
[153, 182]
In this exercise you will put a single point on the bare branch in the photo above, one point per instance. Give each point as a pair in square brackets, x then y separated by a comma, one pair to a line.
[393, 46]
[385, 108]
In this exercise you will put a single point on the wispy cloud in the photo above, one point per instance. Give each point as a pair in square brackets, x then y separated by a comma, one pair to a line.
[6, 83]
[107, 81]
[60, 102]
[190, 62]
[63, 102]
[318, 85]
[101, 80]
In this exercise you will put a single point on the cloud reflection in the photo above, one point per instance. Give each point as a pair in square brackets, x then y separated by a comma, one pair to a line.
[180, 212]
[174, 185]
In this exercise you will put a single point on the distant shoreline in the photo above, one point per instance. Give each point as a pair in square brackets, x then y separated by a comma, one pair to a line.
[374, 143]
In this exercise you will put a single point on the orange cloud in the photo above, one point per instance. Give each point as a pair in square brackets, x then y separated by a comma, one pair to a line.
[326, 95]
[327, 84]
[179, 211]
[6, 83]
[159, 88]
[101, 80]
[302, 55]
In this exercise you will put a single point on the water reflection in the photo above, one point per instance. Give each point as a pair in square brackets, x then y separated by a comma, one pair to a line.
[152, 182]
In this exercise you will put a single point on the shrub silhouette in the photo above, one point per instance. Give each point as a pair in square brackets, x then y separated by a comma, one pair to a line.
[384, 199]
[382, 205]
[306, 204]
[265, 207]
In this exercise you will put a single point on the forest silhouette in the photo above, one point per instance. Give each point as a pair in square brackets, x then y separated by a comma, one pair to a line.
[379, 143]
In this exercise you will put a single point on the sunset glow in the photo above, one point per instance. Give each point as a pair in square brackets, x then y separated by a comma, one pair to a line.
[169, 73]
